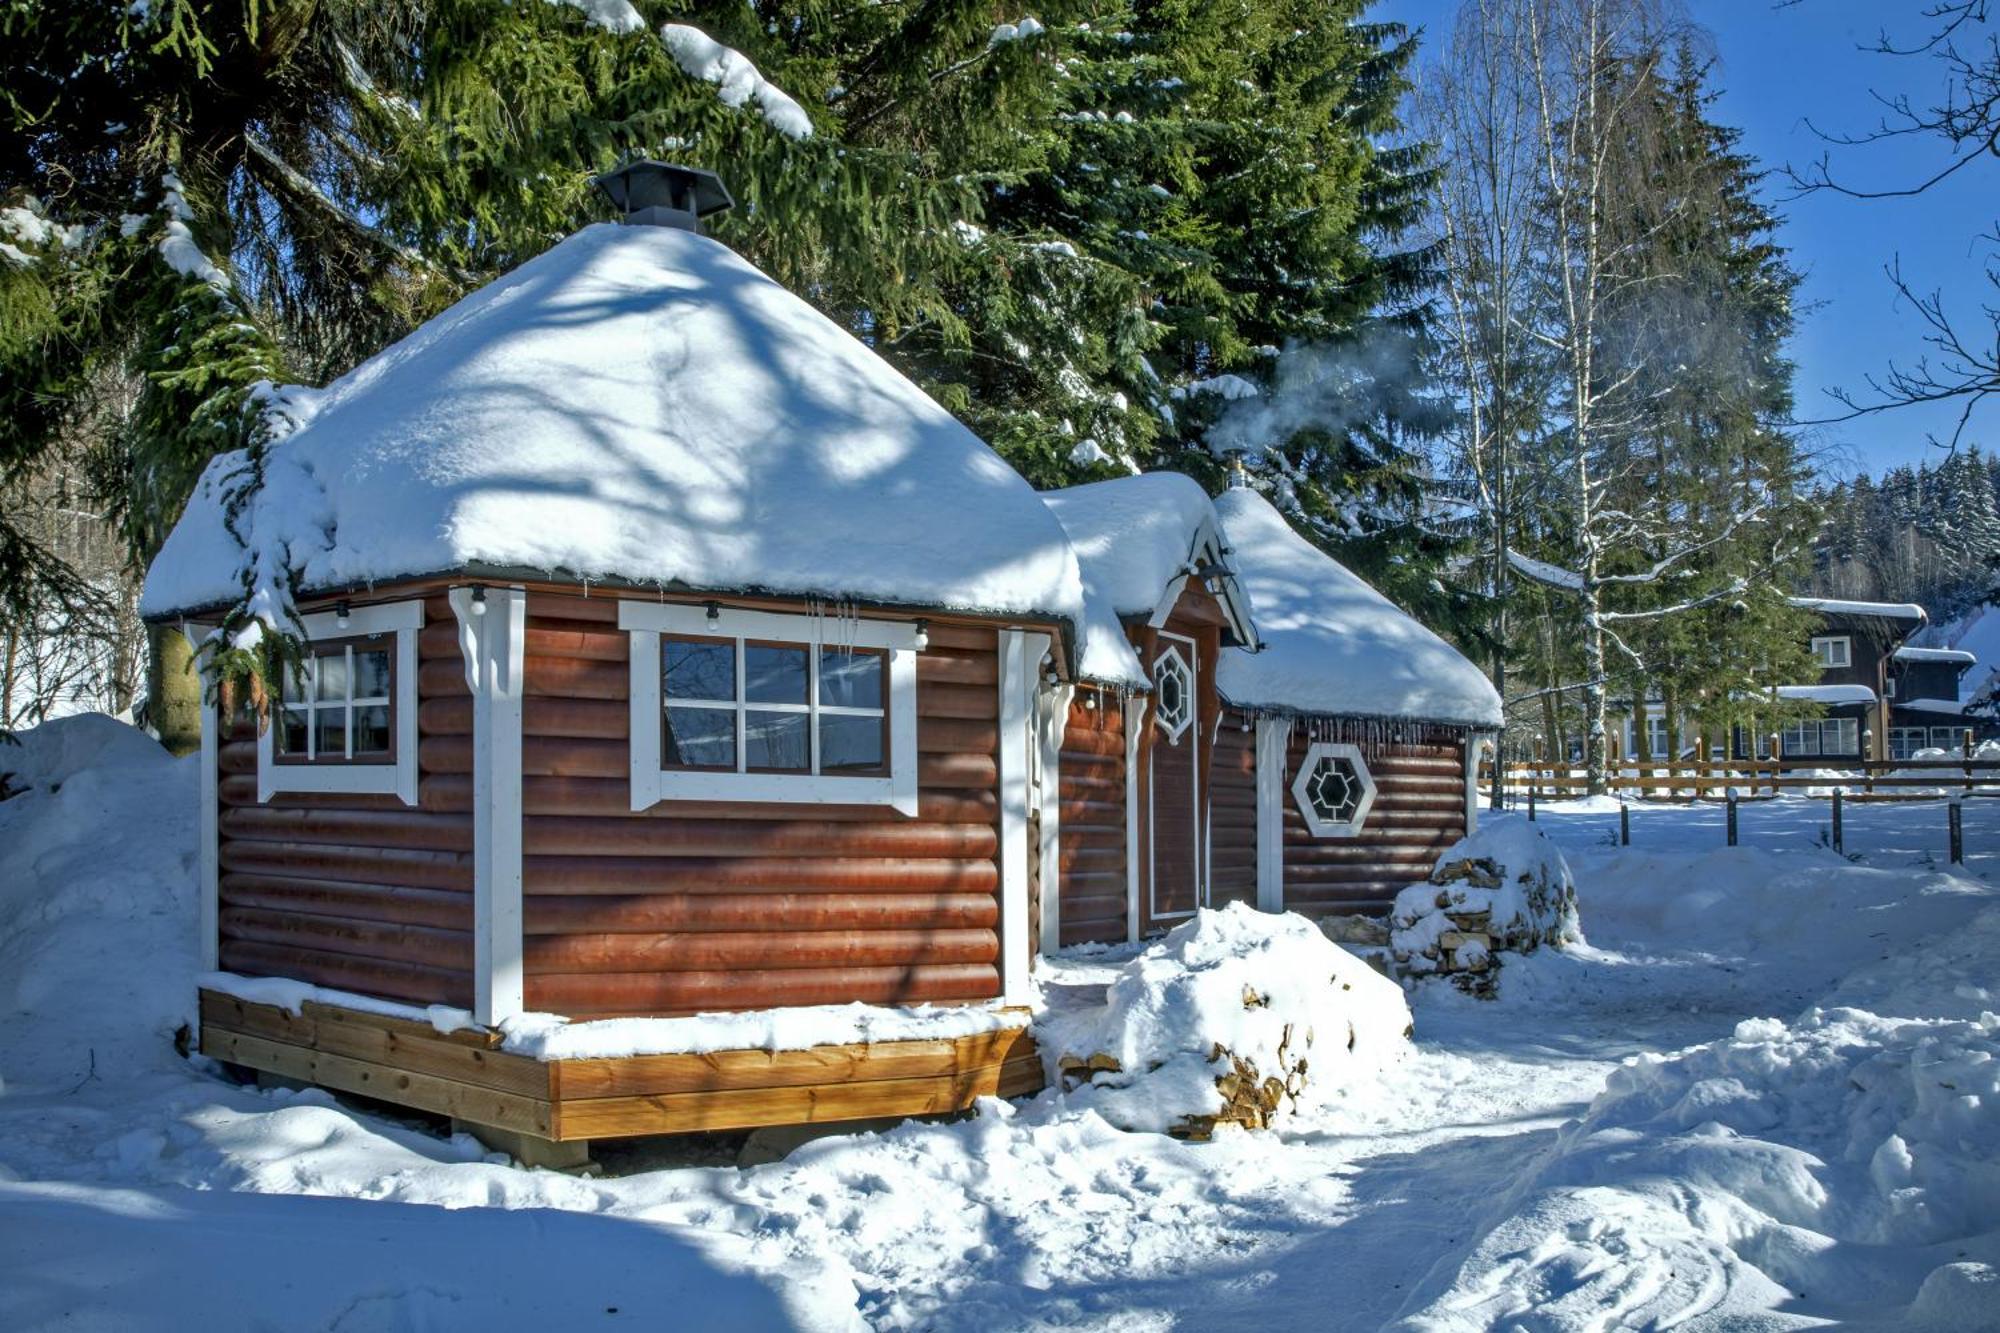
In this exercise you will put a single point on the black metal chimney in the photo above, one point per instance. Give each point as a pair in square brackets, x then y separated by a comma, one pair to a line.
[659, 194]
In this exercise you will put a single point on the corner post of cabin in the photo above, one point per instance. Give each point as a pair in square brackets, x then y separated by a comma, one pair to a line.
[492, 634]
[1473, 741]
[1021, 654]
[1054, 717]
[210, 912]
[1135, 722]
[1274, 740]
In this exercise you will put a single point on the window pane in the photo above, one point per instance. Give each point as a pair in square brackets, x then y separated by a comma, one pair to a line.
[331, 741]
[371, 730]
[333, 676]
[699, 670]
[371, 673]
[776, 740]
[847, 743]
[700, 738]
[292, 731]
[294, 689]
[773, 675]
[850, 680]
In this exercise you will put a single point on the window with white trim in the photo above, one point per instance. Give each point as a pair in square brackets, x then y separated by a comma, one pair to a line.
[1833, 650]
[1173, 693]
[759, 706]
[1948, 738]
[1333, 789]
[347, 722]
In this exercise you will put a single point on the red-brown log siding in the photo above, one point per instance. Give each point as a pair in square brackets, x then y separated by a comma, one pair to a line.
[1091, 788]
[1419, 810]
[1232, 812]
[682, 907]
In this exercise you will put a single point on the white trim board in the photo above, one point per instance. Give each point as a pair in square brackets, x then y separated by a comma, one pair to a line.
[1274, 739]
[1021, 653]
[651, 784]
[492, 634]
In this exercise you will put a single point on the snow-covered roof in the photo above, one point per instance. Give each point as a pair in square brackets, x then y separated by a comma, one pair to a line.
[1836, 606]
[1332, 644]
[637, 403]
[1135, 538]
[1952, 707]
[1951, 656]
[1828, 694]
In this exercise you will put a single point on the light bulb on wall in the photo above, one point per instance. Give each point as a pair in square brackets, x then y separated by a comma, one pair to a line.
[340, 614]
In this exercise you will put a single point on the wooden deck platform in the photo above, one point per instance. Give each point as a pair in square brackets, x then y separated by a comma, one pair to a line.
[467, 1076]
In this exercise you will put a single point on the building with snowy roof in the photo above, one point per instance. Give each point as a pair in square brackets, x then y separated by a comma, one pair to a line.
[699, 728]
[1253, 722]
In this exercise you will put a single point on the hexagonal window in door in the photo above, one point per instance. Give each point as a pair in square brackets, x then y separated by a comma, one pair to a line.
[1333, 789]
[1173, 693]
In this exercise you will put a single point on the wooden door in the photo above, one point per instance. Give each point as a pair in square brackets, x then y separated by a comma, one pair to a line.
[1177, 884]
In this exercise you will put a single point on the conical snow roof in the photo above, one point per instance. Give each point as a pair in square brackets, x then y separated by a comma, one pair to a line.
[1332, 644]
[639, 404]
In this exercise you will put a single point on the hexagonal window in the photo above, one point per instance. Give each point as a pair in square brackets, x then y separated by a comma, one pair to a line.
[1173, 693]
[1333, 789]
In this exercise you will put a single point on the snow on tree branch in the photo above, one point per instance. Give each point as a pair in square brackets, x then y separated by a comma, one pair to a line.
[735, 78]
[1544, 573]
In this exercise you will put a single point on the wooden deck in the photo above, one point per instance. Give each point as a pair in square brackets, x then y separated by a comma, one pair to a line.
[467, 1076]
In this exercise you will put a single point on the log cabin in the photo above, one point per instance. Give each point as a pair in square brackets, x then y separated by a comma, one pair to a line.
[668, 655]
[1292, 740]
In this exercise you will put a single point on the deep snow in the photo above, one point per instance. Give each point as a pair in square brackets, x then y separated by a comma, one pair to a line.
[1824, 1152]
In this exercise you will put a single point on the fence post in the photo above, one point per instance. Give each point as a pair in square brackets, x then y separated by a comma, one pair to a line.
[1968, 758]
[1777, 763]
[1531, 805]
[1868, 748]
[1624, 823]
[1839, 836]
[1732, 816]
[1955, 814]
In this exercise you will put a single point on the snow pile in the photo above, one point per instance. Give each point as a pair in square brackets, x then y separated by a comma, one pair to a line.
[1134, 538]
[1505, 889]
[97, 858]
[1236, 1016]
[1845, 1156]
[736, 80]
[639, 403]
[1333, 644]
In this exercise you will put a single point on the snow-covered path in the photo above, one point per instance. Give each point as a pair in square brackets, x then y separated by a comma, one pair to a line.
[1461, 1191]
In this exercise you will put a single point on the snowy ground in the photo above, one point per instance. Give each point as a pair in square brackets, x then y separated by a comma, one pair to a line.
[1798, 1167]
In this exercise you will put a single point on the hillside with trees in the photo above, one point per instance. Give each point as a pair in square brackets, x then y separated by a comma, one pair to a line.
[1929, 535]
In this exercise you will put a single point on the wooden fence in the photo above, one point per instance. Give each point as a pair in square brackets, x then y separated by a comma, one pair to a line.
[1701, 779]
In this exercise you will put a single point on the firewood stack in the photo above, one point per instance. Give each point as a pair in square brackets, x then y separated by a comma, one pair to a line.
[1456, 931]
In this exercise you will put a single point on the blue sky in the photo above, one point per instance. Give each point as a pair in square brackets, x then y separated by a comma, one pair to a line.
[1785, 71]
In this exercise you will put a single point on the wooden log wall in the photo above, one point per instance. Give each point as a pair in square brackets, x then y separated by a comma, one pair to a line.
[360, 893]
[1419, 811]
[691, 906]
[1232, 812]
[1091, 789]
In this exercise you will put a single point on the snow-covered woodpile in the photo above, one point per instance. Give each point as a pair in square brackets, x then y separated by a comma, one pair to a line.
[1504, 890]
[1236, 1017]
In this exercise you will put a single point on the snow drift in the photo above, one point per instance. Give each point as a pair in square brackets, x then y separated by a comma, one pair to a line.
[1236, 1016]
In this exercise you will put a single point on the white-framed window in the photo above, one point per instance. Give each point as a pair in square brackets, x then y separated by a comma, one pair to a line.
[1833, 650]
[1173, 693]
[1948, 738]
[1333, 789]
[1906, 741]
[1834, 736]
[737, 705]
[348, 724]
[1889, 687]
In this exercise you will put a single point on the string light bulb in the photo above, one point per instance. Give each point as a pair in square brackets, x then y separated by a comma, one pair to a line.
[714, 613]
[923, 640]
[340, 613]
[479, 601]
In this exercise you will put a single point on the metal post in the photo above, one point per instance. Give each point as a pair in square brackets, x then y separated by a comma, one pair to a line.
[1955, 813]
[1531, 804]
[1624, 824]
[1732, 816]
[1839, 836]
[1867, 748]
